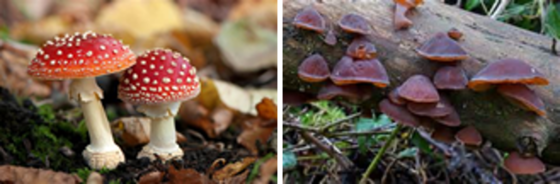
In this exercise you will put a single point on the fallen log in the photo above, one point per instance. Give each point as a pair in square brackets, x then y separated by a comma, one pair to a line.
[505, 125]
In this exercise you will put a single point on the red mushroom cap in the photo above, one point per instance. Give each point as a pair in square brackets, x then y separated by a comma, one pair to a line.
[361, 48]
[314, 69]
[442, 48]
[452, 119]
[507, 71]
[354, 23]
[352, 91]
[419, 89]
[524, 97]
[310, 19]
[450, 77]
[395, 98]
[80, 56]
[517, 164]
[348, 71]
[160, 76]
[439, 109]
[398, 113]
[455, 34]
[469, 136]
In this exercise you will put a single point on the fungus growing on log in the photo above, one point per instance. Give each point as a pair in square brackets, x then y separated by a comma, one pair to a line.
[354, 23]
[506, 71]
[452, 119]
[469, 136]
[310, 19]
[441, 48]
[314, 69]
[419, 89]
[444, 134]
[401, 9]
[450, 77]
[351, 92]
[440, 109]
[517, 164]
[395, 98]
[524, 97]
[398, 113]
[349, 71]
[455, 34]
[361, 48]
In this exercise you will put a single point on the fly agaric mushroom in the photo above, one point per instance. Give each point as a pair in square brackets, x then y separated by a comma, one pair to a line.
[159, 83]
[419, 89]
[314, 69]
[523, 96]
[348, 71]
[310, 19]
[517, 164]
[455, 34]
[395, 98]
[450, 77]
[441, 48]
[354, 23]
[398, 113]
[452, 119]
[351, 92]
[439, 109]
[469, 136]
[361, 48]
[81, 58]
[506, 71]
[401, 8]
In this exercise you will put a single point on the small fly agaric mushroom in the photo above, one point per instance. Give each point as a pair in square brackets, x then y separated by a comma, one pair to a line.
[159, 83]
[401, 8]
[523, 96]
[450, 77]
[469, 136]
[419, 89]
[398, 113]
[395, 98]
[440, 109]
[441, 48]
[354, 23]
[455, 34]
[352, 92]
[314, 69]
[310, 19]
[517, 164]
[506, 71]
[361, 48]
[348, 71]
[81, 58]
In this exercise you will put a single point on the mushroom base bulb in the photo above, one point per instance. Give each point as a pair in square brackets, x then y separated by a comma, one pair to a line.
[150, 152]
[100, 160]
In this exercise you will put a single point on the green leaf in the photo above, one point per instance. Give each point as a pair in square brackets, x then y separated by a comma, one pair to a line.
[408, 153]
[552, 20]
[421, 143]
[472, 4]
[364, 141]
[289, 160]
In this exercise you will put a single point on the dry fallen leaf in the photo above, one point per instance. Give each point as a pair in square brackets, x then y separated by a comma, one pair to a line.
[136, 130]
[261, 12]
[258, 130]
[154, 177]
[267, 169]
[140, 18]
[94, 178]
[232, 169]
[187, 176]
[13, 74]
[267, 109]
[241, 178]
[16, 174]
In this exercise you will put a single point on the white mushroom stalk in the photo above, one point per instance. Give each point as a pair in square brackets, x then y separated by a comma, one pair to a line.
[81, 58]
[159, 83]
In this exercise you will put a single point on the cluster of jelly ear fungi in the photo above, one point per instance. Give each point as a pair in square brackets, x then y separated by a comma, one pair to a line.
[359, 66]
[418, 97]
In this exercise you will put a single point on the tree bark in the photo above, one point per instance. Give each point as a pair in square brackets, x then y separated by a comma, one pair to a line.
[485, 40]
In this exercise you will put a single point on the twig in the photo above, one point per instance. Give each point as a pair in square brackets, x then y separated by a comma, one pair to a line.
[300, 127]
[500, 9]
[438, 145]
[380, 154]
[343, 161]
[353, 133]
[386, 173]
[342, 120]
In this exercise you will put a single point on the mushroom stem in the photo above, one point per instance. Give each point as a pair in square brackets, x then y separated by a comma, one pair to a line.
[102, 151]
[163, 140]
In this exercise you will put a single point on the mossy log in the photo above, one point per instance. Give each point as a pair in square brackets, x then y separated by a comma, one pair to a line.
[486, 40]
